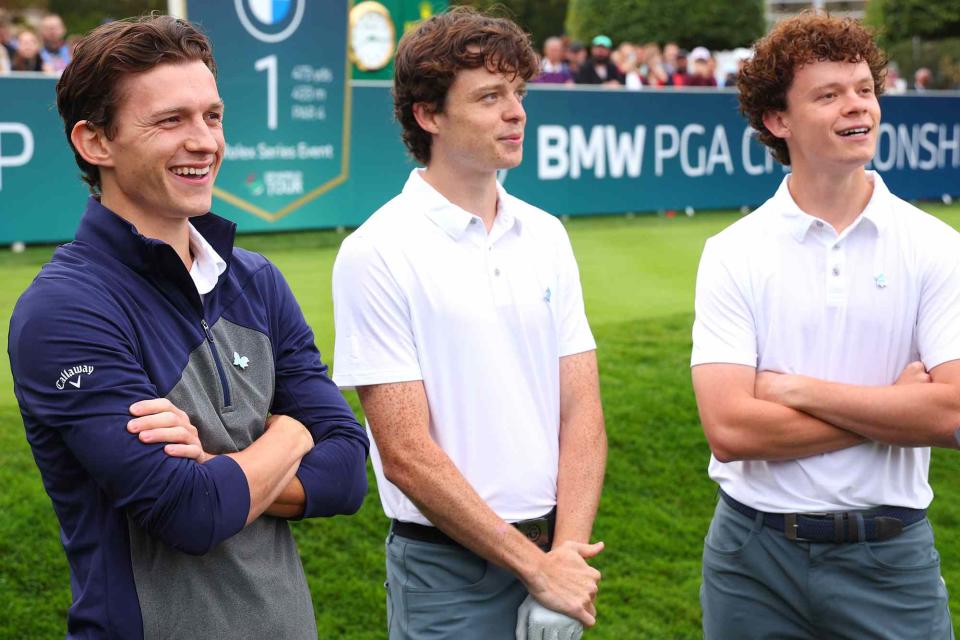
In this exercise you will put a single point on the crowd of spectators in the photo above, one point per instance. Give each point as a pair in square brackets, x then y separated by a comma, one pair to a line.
[40, 44]
[636, 66]
[42, 47]
[642, 66]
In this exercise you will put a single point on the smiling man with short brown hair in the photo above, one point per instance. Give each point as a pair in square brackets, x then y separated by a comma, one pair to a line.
[147, 357]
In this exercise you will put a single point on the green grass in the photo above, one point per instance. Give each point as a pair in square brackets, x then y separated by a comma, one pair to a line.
[638, 277]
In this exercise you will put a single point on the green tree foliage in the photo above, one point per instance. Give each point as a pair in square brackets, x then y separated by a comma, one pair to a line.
[717, 25]
[540, 18]
[902, 19]
[81, 16]
[940, 56]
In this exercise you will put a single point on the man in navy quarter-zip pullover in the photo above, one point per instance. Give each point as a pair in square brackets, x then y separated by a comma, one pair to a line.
[147, 357]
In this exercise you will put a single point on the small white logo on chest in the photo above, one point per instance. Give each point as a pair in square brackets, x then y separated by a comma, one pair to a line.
[240, 361]
[880, 280]
[77, 370]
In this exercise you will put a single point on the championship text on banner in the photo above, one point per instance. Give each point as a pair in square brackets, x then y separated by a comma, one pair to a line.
[587, 151]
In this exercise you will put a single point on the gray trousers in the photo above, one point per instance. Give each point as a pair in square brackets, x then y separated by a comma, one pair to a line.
[438, 591]
[759, 585]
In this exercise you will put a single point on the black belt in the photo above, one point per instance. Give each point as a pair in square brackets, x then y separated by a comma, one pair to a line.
[882, 523]
[538, 530]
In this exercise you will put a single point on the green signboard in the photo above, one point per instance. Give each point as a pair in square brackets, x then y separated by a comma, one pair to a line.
[586, 151]
[283, 74]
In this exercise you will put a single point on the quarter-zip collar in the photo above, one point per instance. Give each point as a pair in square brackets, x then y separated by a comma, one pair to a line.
[105, 230]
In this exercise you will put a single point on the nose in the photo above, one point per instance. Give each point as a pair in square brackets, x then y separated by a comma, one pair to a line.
[203, 137]
[857, 102]
[514, 111]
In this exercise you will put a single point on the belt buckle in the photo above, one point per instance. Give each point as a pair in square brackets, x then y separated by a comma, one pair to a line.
[537, 530]
[791, 527]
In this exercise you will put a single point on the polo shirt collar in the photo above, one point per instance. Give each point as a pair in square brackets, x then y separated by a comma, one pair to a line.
[877, 211]
[207, 265]
[452, 219]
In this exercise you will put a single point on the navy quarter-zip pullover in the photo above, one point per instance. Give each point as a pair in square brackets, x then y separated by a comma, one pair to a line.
[156, 544]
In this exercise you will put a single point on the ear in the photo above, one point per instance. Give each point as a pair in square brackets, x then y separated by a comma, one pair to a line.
[91, 143]
[776, 123]
[426, 117]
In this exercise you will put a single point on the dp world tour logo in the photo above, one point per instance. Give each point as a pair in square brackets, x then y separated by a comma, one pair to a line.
[270, 20]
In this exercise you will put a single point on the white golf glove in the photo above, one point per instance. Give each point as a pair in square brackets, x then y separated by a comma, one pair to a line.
[536, 622]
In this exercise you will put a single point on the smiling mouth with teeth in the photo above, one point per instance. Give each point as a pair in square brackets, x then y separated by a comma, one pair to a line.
[190, 172]
[856, 131]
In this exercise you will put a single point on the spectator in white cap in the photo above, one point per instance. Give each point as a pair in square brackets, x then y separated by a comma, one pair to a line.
[701, 74]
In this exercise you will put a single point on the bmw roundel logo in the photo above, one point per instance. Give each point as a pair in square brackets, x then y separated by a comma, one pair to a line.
[270, 11]
[270, 21]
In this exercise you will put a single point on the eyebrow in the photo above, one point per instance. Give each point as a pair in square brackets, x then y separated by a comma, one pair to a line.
[487, 88]
[214, 106]
[840, 85]
[493, 87]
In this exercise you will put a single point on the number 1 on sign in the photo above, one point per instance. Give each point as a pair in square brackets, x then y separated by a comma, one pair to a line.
[270, 64]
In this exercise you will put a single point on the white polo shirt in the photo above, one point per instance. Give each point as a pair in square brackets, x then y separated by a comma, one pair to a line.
[421, 291]
[779, 290]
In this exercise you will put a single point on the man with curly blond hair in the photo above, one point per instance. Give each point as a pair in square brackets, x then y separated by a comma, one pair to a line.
[826, 363]
[460, 321]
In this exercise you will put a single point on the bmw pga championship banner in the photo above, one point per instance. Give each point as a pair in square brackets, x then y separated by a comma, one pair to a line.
[586, 151]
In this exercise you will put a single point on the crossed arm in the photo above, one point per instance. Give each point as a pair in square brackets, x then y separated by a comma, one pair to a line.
[771, 416]
[561, 579]
[269, 464]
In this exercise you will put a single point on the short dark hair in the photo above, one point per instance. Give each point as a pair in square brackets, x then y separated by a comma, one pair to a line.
[810, 37]
[429, 57]
[89, 87]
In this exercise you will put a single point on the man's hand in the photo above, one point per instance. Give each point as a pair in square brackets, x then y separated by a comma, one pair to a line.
[773, 386]
[160, 420]
[914, 373]
[565, 582]
[536, 622]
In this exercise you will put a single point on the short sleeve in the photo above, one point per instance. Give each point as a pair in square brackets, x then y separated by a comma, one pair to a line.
[374, 338]
[575, 335]
[938, 315]
[724, 330]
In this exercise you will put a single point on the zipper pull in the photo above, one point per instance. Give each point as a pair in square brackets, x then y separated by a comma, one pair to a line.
[206, 329]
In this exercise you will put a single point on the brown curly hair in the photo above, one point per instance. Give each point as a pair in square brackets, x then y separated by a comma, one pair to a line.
[89, 88]
[810, 37]
[429, 57]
